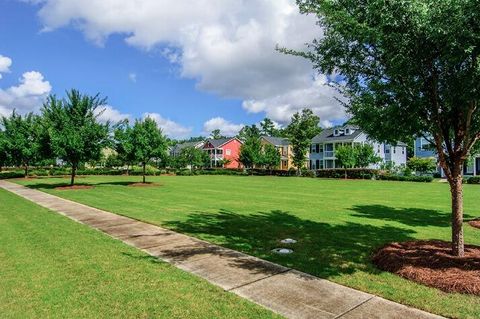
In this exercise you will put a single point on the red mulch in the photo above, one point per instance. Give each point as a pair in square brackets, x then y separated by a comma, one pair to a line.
[430, 263]
[143, 184]
[74, 187]
[475, 223]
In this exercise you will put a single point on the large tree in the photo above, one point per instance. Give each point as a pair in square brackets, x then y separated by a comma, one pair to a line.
[193, 157]
[75, 134]
[269, 128]
[21, 139]
[409, 67]
[270, 156]
[148, 142]
[300, 131]
[4, 158]
[123, 144]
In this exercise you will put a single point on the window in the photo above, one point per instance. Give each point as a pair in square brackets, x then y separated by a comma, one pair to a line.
[312, 148]
[317, 164]
[317, 148]
[220, 152]
[347, 131]
[320, 148]
[403, 150]
[228, 152]
[394, 150]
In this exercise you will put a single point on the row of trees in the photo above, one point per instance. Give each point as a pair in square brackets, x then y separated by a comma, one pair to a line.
[69, 130]
[356, 156]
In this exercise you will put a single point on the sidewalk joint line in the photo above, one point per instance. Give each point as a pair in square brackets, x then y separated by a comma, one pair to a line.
[354, 307]
[260, 279]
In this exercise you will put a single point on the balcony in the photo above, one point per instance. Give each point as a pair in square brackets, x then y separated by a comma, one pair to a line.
[329, 154]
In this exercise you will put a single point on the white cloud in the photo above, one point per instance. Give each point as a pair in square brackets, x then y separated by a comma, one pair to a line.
[169, 127]
[318, 96]
[5, 63]
[227, 46]
[226, 128]
[26, 97]
[132, 77]
[108, 113]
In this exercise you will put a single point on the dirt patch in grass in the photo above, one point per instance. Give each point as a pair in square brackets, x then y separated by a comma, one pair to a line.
[74, 187]
[430, 263]
[475, 223]
[144, 184]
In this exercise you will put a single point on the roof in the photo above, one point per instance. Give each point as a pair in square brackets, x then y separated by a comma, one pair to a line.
[219, 142]
[327, 135]
[277, 141]
[179, 147]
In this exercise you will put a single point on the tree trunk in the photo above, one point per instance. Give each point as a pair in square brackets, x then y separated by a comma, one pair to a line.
[144, 169]
[456, 189]
[26, 170]
[128, 168]
[74, 171]
[345, 173]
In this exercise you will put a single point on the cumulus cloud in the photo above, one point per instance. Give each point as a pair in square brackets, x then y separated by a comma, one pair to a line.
[5, 63]
[227, 46]
[226, 127]
[169, 127]
[132, 77]
[108, 113]
[27, 96]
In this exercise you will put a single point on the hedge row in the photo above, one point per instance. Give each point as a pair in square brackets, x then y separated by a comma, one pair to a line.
[400, 178]
[473, 180]
[352, 173]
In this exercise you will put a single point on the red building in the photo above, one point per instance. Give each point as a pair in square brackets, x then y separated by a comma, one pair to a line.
[224, 149]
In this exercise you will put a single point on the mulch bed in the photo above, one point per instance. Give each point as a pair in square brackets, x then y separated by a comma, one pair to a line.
[74, 187]
[430, 263]
[475, 223]
[144, 184]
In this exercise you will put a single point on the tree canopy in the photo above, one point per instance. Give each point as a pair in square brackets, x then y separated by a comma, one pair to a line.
[303, 127]
[75, 134]
[250, 151]
[407, 68]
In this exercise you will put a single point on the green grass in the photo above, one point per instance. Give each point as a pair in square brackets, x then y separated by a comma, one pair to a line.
[338, 224]
[52, 267]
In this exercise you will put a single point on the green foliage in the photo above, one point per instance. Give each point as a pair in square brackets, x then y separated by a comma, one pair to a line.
[251, 149]
[346, 156]
[193, 157]
[422, 165]
[270, 156]
[268, 128]
[4, 157]
[147, 140]
[20, 141]
[404, 178]
[365, 155]
[473, 180]
[74, 132]
[216, 134]
[123, 144]
[301, 130]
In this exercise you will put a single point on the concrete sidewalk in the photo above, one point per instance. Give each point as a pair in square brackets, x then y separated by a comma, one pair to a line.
[286, 291]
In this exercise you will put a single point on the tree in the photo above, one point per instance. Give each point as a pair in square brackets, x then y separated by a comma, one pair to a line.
[216, 134]
[123, 144]
[250, 151]
[3, 150]
[193, 157]
[148, 142]
[409, 68]
[365, 155]
[268, 128]
[300, 131]
[21, 140]
[346, 157]
[270, 156]
[422, 165]
[75, 134]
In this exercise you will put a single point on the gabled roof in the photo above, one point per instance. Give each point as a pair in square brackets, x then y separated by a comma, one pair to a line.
[216, 143]
[179, 147]
[277, 141]
[327, 135]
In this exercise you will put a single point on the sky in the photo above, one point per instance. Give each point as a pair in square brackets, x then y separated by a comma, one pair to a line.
[192, 65]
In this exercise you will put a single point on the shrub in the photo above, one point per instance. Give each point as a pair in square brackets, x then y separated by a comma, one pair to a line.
[352, 173]
[400, 178]
[473, 180]
[7, 175]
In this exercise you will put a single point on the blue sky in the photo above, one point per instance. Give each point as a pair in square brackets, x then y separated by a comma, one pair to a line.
[191, 71]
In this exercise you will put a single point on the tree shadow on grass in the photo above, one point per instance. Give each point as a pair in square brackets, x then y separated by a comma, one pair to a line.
[408, 216]
[322, 249]
[63, 184]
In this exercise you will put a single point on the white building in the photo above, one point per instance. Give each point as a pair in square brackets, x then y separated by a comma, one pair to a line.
[322, 150]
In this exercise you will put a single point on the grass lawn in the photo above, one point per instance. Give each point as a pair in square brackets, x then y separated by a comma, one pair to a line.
[338, 224]
[52, 267]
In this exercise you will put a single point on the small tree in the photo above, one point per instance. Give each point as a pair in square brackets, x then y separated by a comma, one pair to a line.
[346, 157]
[422, 165]
[365, 155]
[250, 151]
[148, 142]
[270, 156]
[301, 130]
[193, 157]
[75, 134]
[124, 144]
[21, 139]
